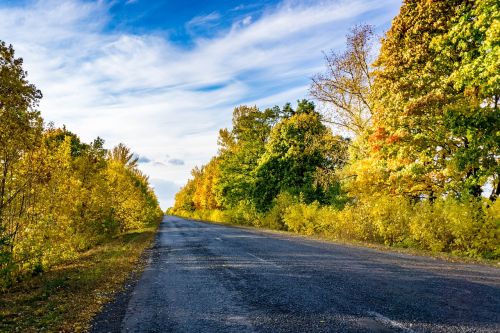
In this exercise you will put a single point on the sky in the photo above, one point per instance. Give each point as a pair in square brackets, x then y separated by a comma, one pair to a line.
[163, 76]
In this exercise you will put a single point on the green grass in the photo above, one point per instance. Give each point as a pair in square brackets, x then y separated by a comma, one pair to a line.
[66, 298]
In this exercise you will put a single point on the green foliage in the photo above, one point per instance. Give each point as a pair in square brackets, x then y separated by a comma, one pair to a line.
[240, 150]
[299, 148]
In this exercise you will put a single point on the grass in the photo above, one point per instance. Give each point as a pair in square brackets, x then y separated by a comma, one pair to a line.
[66, 298]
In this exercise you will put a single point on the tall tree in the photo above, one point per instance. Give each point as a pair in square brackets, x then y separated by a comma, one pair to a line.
[123, 155]
[346, 84]
[240, 149]
[435, 128]
[20, 133]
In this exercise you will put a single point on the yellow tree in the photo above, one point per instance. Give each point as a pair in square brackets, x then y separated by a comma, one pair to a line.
[434, 132]
[20, 134]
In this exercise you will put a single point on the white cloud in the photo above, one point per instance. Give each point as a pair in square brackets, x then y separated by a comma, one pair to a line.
[156, 97]
[203, 20]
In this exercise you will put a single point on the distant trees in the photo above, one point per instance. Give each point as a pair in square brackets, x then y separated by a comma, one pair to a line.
[58, 195]
[264, 154]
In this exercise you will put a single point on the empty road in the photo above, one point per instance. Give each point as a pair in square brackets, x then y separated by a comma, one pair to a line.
[205, 277]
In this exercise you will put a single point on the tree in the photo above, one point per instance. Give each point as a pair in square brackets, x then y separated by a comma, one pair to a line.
[205, 196]
[240, 149]
[299, 146]
[345, 86]
[20, 134]
[58, 195]
[133, 203]
[433, 125]
[470, 51]
[123, 155]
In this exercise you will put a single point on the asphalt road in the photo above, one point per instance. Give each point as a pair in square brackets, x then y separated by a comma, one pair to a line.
[211, 278]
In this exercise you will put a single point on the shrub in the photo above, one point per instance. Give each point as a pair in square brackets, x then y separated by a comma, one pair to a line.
[273, 219]
[303, 218]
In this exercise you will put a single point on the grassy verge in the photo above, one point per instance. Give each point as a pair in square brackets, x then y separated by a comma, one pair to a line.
[66, 298]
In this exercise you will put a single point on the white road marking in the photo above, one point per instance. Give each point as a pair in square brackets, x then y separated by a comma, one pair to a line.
[263, 260]
[389, 322]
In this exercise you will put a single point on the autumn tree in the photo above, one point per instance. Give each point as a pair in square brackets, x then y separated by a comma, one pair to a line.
[184, 198]
[345, 86]
[124, 156]
[436, 118]
[20, 134]
[58, 195]
[205, 196]
[133, 202]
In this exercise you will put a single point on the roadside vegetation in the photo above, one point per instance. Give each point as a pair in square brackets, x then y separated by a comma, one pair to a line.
[70, 294]
[404, 150]
[74, 216]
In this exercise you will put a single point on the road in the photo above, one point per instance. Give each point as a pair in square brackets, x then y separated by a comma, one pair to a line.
[206, 277]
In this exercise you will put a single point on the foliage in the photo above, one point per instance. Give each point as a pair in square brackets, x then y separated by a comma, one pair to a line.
[241, 147]
[300, 149]
[436, 93]
[58, 196]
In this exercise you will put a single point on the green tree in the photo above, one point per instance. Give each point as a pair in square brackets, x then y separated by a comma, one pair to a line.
[240, 150]
[299, 146]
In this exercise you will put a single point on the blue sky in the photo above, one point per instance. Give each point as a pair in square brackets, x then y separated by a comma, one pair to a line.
[182, 21]
[164, 76]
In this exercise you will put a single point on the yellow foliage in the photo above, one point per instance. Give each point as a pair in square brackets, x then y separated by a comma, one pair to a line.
[466, 228]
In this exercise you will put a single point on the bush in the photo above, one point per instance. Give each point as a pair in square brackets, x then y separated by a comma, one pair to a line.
[470, 228]
[466, 228]
[244, 213]
[303, 218]
[462, 227]
[273, 219]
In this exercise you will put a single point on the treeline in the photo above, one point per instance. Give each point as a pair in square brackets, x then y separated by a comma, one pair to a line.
[58, 195]
[417, 161]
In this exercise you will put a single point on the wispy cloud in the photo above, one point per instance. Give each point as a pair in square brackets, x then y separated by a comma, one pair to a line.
[162, 99]
[176, 161]
[143, 159]
[203, 19]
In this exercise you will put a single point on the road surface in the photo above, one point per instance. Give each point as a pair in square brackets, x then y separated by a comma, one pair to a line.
[206, 277]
